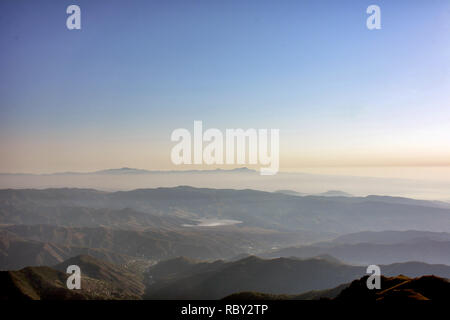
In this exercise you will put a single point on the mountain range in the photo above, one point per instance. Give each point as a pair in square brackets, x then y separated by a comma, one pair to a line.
[186, 279]
[134, 171]
[43, 227]
[309, 214]
[365, 248]
[202, 243]
[36, 245]
[393, 289]
[183, 278]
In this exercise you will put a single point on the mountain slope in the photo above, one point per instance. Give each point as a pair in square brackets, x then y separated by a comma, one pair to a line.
[391, 237]
[378, 248]
[276, 276]
[121, 282]
[17, 253]
[397, 289]
[393, 289]
[36, 283]
[31, 245]
[99, 280]
[310, 295]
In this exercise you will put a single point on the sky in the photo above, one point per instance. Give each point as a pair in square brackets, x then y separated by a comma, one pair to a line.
[109, 95]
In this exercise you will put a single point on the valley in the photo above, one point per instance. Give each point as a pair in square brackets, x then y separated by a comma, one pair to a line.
[197, 243]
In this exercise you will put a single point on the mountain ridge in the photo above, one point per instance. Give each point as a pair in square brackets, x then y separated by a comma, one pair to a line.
[216, 280]
[128, 170]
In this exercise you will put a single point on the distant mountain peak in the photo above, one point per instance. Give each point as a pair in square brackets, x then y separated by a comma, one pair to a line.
[335, 193]
[123, 170]
[129, 170]
[290, 192]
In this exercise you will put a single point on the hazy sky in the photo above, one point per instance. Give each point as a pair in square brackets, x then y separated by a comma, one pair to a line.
[110, 95]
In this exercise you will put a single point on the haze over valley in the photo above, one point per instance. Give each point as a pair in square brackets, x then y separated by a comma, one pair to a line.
[429, 183]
